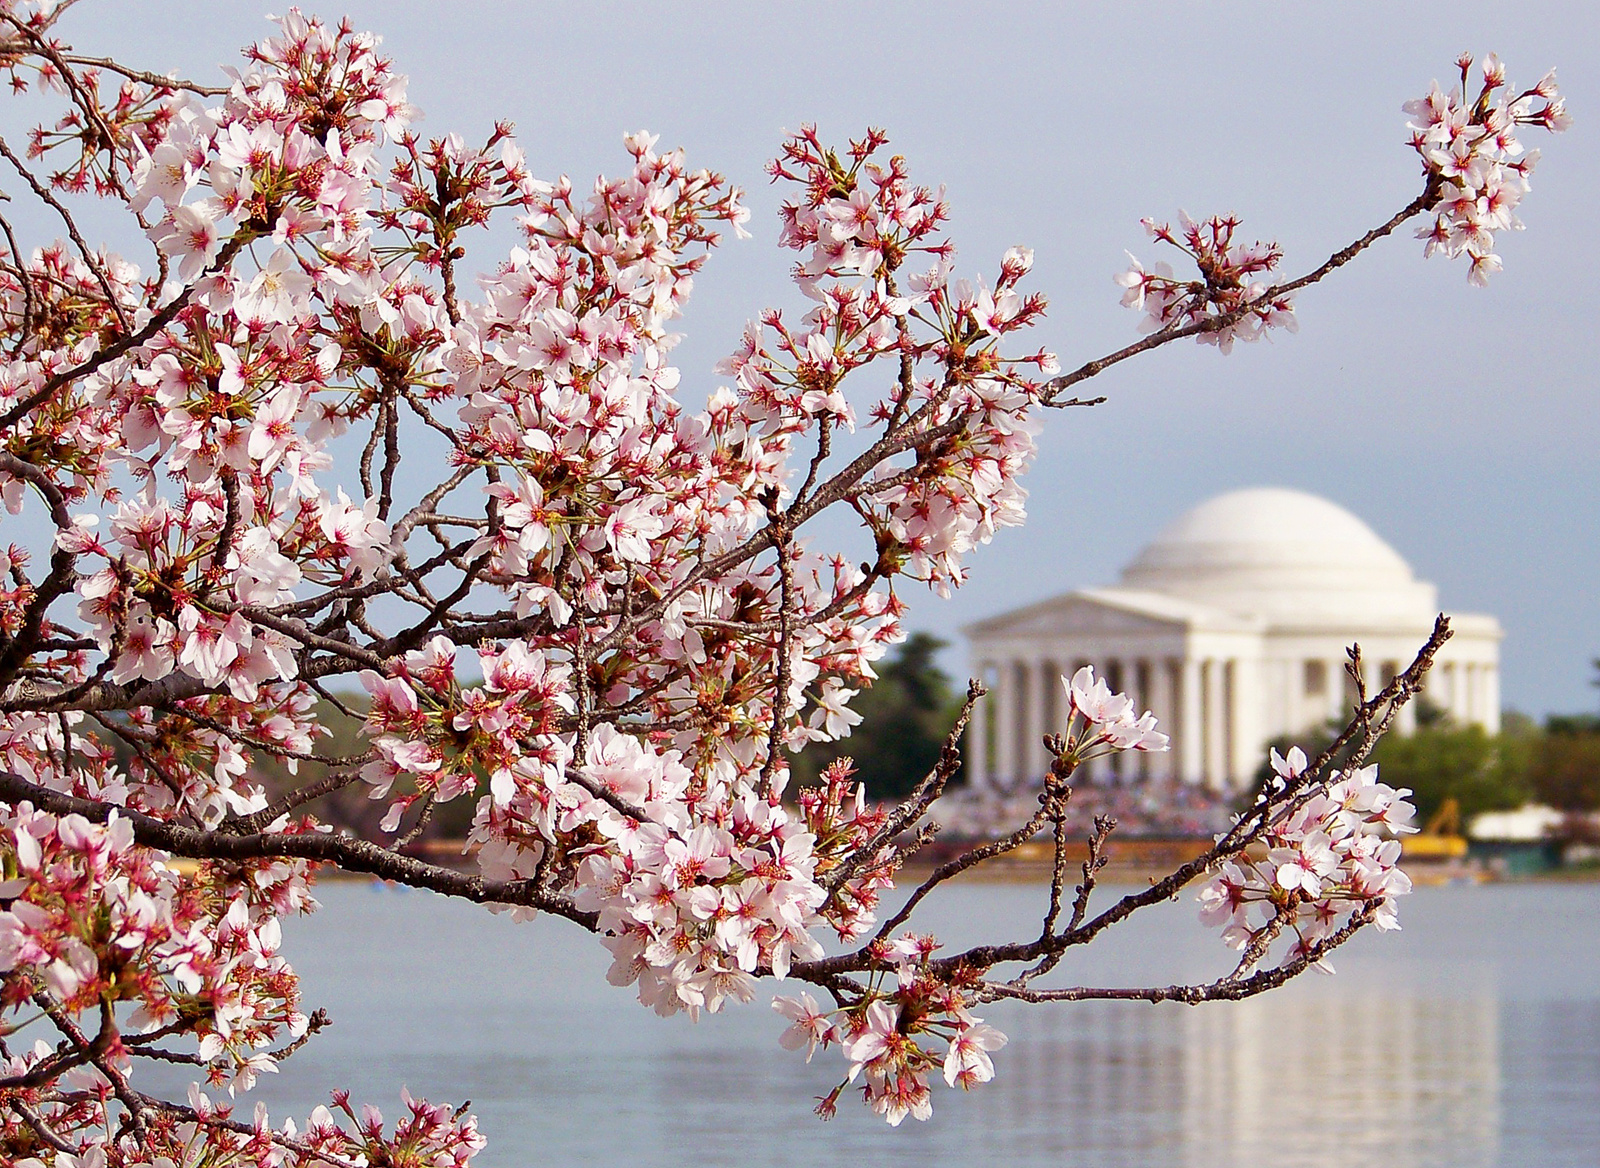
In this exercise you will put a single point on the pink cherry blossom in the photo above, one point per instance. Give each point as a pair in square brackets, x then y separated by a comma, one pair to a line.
[1101, 721]
[1469, 149]
[191, 235]
[808, 1026]
[277, 293]
[968, 1062]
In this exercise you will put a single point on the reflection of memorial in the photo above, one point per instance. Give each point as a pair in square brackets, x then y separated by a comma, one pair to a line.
[1331, 1079]
[1232, 627]
[1303, 1078]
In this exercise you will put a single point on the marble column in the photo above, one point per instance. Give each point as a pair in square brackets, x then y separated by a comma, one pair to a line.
[1140, 666]
[1005, 722]
[1215, 760]
[1021, 700]
[1245, 699]
[1165, 710]
[979, 775]
[1229, 671]
[1441, 687]
[1491, 699]
[1033, 720]
[1191, 723]
[1338, 682]
[1048, 681]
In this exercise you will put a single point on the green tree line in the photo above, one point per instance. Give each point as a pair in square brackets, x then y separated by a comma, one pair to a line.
[1556, 763]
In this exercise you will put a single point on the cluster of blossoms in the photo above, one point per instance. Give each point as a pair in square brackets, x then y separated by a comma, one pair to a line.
[1328, 856]
[1231, 281]
[1477, 173]
[201, 440]
[427, 1136]
[856, 223]
[99, 921]
[892, 1037]
[1100, 721]
[689, 907]
[1470, 150]
[884, 1034]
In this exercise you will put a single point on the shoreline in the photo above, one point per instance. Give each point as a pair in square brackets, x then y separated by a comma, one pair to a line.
[1132, 860]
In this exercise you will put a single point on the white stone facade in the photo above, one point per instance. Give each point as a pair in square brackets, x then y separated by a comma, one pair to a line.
[1232, 626]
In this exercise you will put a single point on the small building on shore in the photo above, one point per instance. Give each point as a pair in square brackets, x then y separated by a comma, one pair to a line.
[1232, 626]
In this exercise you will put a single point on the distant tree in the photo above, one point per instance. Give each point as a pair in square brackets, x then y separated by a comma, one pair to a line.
[1571, 725]
[1564, 771]
[1441, 760]
[1480, 771]
[905, 717]
[1516, 724]
[1431, 713]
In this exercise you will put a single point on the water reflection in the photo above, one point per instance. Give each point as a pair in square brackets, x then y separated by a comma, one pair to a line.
[1471, 1039]
[1339, 1080]
[1302, 1081]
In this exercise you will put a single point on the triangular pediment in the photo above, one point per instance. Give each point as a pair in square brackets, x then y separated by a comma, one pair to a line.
[1076, 612]
[1107, 611]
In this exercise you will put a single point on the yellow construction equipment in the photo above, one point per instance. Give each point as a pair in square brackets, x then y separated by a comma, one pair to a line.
[1440, 838]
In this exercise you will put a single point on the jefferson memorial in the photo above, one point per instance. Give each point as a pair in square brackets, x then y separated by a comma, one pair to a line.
[1232, 627]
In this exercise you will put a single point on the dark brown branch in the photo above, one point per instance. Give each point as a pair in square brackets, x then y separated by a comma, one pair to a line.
[783, 669]
[144, 77]
[971, 859]
[40, 1128]
[90, 260]
[57, 583]
[1104, 825]
[1226, 989]
[352, 855]
[1222, 320]
[25, 279]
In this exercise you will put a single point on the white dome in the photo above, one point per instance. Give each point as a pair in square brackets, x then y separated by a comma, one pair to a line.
[1284, 555]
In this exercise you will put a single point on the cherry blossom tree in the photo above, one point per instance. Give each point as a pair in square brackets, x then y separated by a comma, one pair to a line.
[589, 610]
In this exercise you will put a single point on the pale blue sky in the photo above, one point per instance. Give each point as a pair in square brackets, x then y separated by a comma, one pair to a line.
[1459, 423]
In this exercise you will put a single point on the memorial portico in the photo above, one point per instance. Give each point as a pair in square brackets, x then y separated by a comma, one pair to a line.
[1231, 626]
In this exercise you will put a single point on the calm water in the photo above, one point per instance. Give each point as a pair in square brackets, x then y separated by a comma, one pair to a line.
[1470, 1039]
